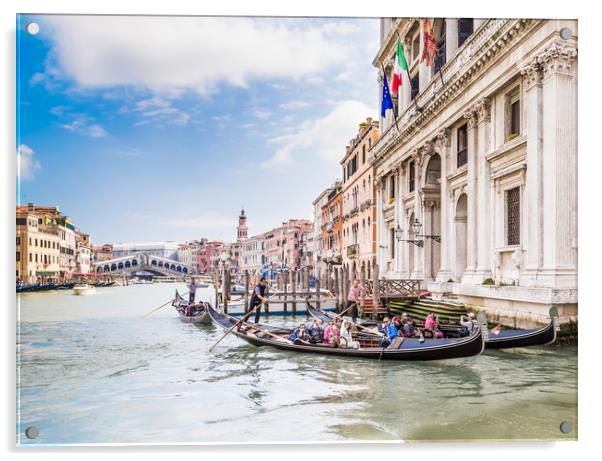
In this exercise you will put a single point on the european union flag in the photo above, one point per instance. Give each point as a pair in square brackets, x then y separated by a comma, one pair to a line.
[387, 101]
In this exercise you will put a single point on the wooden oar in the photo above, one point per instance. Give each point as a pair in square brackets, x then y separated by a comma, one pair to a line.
[242, 320]
[268, 333]
[162, 305]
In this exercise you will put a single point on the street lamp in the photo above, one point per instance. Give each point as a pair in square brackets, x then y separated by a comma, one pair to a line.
[416, 226]
[399, 235]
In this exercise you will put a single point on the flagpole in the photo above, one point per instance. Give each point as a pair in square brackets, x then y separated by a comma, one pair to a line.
[394, 115]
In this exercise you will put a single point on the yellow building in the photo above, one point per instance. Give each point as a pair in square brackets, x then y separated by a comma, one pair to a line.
[359, 226]
[37, 248]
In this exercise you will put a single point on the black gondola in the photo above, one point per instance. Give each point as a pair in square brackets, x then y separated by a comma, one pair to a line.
[196, 313]
[409, 349]
[503, 340]
[523, 338]
[64, 286]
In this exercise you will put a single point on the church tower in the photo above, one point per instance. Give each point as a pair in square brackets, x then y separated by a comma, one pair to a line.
[242, 227]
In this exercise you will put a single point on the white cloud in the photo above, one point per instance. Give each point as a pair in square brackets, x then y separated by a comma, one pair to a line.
[222, 118]
[27, 165]
[191, 52]
[161, 111]
[295, 104]
[261, 113]
[58, 110]
[84, 126]
[323, 138]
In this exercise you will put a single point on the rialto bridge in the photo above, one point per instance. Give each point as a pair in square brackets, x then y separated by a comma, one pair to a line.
[142, 262]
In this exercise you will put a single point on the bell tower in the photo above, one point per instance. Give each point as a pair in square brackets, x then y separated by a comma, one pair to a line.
[241, 229]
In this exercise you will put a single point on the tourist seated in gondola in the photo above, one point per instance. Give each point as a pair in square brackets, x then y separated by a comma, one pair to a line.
[396, 321]
[389, 332]
[331, 334]
[346, 336]
[431, 327]
[300, 333]
[468, 324]
[316, 331]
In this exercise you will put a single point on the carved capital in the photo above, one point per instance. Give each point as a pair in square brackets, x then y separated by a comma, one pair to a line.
[482, 109]
[557, 59]
[471, 117]
[531, 73]
[443, 138]
[417, 157]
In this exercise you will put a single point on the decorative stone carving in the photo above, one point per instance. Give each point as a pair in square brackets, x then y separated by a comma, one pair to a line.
[557, 59]
[471, 117]
[442, 138]
[482, 109]
[531, 73]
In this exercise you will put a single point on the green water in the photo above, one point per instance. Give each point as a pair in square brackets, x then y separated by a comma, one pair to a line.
[91, 370]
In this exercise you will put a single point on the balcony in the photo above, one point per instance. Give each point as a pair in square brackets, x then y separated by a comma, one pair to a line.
[353, 212]
[353, 250]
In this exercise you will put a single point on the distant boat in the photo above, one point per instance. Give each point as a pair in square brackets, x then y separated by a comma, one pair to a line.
[83, 289]
[196, 313]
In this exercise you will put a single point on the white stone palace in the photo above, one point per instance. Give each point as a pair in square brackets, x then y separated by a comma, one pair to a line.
[477, 180]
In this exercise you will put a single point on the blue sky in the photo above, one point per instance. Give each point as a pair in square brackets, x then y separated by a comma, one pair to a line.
[161, 128]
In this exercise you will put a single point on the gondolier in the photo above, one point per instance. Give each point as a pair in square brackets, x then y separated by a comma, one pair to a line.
[258, 297]
[353, 299]
[192, 286]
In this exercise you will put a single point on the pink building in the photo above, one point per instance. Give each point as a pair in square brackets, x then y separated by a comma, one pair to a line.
[207, 255]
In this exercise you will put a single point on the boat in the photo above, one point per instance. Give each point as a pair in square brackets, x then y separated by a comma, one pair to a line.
[282, 303]
[26, 288]
[83, 289]
[64, 286]
[504, 339]
[408, 349]
[524, 338]
[197, 313]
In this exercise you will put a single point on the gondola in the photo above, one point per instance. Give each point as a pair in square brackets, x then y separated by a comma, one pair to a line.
[409, 349]
[26, 288]
[190, 314]
[524, 338]
[64, 286]
[503, 340]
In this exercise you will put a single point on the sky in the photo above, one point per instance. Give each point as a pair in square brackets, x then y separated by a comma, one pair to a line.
[147, 128]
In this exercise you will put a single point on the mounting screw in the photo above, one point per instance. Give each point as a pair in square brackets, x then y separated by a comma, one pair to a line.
[32, 28]
[566, 427]
[32, 432]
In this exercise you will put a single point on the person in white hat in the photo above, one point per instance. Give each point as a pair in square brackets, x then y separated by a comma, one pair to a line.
[468, 323]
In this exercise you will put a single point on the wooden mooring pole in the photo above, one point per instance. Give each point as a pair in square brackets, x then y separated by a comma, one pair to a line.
[246, 291]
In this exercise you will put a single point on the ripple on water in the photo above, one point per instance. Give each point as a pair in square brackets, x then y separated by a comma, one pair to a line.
[100, 373]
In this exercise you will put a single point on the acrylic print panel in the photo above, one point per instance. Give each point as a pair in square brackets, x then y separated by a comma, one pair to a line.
[176, 173]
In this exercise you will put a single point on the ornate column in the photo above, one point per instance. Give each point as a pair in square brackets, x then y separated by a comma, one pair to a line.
[443, 145]
[484, 219]
[398, 222]
[451, 37]
[534, 207]
[418, 270]
[472, 188]
[560, 165]
[379, 219]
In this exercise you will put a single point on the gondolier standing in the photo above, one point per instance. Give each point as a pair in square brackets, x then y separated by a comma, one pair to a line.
[192, 286]
[353, 299]
[258, 297]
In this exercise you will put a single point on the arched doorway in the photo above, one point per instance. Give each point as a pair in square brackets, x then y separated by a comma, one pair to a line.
[432, 215]
[460, 227]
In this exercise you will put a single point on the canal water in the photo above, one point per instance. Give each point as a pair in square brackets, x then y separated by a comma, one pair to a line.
[92, 370]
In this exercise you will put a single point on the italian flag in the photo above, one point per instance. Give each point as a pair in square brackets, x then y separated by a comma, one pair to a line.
[401, 68]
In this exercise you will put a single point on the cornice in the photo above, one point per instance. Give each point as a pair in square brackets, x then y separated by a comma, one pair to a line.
[481, 51]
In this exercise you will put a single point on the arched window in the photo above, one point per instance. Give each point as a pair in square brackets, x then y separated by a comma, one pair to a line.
[134, 262]
[154, 262]
[120, 266]
[106, 268]
[127, 264]
[113, 267]
[99, 269]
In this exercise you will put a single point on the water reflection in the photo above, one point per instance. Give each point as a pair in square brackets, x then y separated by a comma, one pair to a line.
[92, 370]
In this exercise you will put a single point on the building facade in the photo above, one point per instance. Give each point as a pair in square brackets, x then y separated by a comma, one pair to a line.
[37, 248]
[83, 260]
[102, 253]
[168, 250]
[253, 258]
[317, 247]
[359, 210]
[332, 226]
[477, 180]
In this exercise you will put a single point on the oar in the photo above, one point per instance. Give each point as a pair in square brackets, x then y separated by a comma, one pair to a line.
[269, 333]
[242, 320]
[162, 305]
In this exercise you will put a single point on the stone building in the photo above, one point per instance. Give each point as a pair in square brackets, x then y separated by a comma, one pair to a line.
[83, 260]
[37, 248]
[359, 211]
[317, 248]
[477, 181]
[332, 226]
